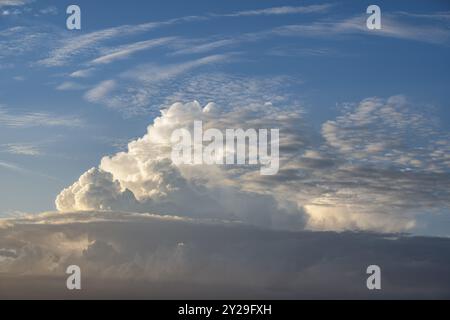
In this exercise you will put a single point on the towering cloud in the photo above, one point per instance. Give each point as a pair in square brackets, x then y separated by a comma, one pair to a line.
[144, 179]
[364, 174]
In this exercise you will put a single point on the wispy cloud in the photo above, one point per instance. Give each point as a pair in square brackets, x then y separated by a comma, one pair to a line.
[20, 8]
[88, 43]
[133, 90]
[99, 92]
[19, 40]
[10, 166]
[67, 48]
[154, 73]
[290, 51]
[125, 51]
[25, 171]
[320, 8]
[13, 3]
[52, 10]
[207, 47]
[70, 85]
[82, 73]
[36, 119]
[443, 15]
[391, 27]
[26, 149]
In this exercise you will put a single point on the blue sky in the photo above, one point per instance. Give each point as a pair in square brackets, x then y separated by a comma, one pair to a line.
[68, 98]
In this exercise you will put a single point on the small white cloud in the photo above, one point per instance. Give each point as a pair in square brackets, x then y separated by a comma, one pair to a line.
[99, 92]
[69, 85]
[124, 51]
[83, 73]
[13, 3]
[52, 10]
[320, 8]
[155, 73]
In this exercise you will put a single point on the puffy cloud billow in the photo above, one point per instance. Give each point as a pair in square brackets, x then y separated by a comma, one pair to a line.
[376, 167]
[144, 179]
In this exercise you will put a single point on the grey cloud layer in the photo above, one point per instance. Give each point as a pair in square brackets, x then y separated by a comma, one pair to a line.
[134, 256]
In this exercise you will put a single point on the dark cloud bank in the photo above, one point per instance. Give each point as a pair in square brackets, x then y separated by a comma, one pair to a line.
[123, 255]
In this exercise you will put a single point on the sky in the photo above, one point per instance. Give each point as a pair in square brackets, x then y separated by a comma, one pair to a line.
[86, 117]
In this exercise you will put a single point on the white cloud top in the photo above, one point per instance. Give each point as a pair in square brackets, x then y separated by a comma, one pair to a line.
[363, 176]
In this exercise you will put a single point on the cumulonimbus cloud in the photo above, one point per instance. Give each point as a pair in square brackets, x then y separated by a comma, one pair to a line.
[364, 175]
[144, 179]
